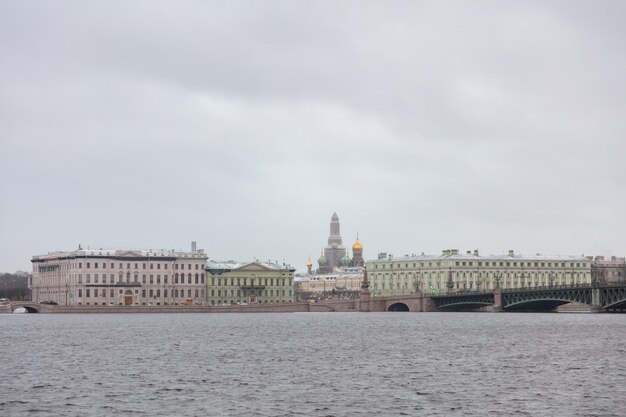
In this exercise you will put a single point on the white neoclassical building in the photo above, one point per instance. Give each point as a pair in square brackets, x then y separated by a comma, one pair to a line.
[457, 272]
[119, 277]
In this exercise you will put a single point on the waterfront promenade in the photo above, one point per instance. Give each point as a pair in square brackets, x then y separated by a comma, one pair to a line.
[594, 298]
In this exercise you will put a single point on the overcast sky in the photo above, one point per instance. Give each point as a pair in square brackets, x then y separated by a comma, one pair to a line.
[494, 125]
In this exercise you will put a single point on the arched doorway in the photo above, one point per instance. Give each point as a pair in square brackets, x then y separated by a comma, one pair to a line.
[128, 298]
[398, 307]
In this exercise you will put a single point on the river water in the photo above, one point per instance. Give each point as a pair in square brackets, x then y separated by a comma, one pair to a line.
[310, 364]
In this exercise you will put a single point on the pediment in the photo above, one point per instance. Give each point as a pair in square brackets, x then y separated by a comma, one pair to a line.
[253, 266]
[128, 253]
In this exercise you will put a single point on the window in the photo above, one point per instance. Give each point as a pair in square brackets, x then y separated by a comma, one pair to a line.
[165, 279]
[95, 265]
[87, 293]
[151, 293]
[80, 292]
[143, 293]
[143, 278]
[158, 279]
[158, 266]
[88, 265]
[95, 278]
[151, 279]
[175, 278]
[158, 293]
[88, 278]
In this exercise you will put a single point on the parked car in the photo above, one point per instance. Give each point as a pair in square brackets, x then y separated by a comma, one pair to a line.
[50, 302]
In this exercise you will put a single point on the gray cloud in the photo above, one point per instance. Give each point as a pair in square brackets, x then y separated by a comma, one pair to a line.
[245, 125]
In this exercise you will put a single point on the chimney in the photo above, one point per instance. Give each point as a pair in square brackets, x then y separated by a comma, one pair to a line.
[475, 252]
[511, 253]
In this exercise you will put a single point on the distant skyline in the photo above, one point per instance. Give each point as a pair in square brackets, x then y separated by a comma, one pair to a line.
[244, 125]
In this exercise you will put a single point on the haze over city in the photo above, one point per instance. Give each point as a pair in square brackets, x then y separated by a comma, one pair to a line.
[244, 127]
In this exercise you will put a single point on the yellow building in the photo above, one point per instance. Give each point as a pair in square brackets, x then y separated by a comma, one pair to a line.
[249, 283]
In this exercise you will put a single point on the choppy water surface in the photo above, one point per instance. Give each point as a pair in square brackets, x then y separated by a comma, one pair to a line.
[327, 364]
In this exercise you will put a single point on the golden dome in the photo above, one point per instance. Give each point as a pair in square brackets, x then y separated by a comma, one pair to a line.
[309, 263]
[357, 245]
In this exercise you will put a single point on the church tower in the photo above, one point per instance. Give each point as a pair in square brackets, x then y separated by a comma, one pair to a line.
[334, 251]
[357, 253]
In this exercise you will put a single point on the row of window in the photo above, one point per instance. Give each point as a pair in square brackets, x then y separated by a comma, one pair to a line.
[496, 264]
[191, 279]
[470, 274]
[250, 281]
[238, 293]
[101, 292]
[128, 265]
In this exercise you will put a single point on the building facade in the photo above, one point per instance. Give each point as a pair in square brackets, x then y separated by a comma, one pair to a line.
[457, 272]
[342, 283]
[119, 277]
[608, 271]
[249, 283]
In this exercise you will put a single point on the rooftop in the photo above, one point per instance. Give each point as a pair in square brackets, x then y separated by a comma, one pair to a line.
[145, 253]
[230, 265]
[453, 254]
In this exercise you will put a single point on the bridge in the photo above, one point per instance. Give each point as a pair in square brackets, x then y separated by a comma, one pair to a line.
[29, 306]
[598, 298]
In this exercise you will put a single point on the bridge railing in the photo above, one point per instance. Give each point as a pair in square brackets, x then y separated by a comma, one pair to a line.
[457, 293]
[548, 287]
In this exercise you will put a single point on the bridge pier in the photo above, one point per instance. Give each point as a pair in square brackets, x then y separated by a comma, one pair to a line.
[364, 301]
[497, 300]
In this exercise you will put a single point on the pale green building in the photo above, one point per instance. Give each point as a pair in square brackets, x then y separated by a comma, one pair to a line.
[249, 283]
[461, 272]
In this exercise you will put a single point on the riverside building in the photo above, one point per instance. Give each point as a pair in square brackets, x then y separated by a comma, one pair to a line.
[119, 277]
[249, 283]
[608, 271]
[341, 283]
[458, 272]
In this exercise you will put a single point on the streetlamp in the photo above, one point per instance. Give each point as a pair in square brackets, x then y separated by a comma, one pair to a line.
[498, 277]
